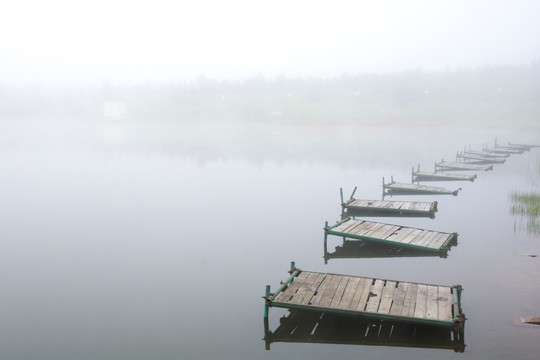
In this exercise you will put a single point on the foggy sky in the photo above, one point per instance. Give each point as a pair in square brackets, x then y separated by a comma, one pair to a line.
[120, 41]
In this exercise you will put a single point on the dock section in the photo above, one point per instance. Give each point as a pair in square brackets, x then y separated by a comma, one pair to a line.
[395, 188]
[390, 208]
[418, 176]
[369, 298]
[451, 166]
[476, 159]
[356, 207]
[395, 235]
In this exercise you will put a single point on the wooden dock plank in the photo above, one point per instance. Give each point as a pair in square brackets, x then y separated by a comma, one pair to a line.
[445, 303]
[400, 234]
[375, 296]
[387, 297]
[359, 230]
[305, 293]
[384, 231]
[399, 298]
[437, 241]
[347, 226]
[340, 290]
[410, 300]
[291, 290]
[369, 229]
[426, 239]
[349, 292]
[432, 307]
[411, 238]
[421, 302]
[358, 302]
[324, 297]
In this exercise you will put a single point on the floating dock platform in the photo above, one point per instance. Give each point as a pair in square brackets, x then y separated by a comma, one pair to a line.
[396, 235]
[525, 147]
[476, 159]
[313, 327]
[355, 207]
[418, 176]
[395, 188]
[451, 166]
[369, 298]
[486, 154]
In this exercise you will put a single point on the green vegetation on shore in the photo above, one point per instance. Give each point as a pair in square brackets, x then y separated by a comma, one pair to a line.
[527, 206]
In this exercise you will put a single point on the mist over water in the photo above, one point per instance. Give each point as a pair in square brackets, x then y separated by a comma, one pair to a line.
[155, 239]
[162, 162]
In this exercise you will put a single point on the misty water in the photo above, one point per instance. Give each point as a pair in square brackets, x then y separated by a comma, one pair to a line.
[151, 240]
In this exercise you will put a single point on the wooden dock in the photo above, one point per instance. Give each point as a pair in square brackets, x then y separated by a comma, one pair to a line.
[396, 235]
[526, 147]
[486, 154]
[504, 150]
[369, 298]
[418, 176]
[390, 208]
[356, 207]
[395, 188]
[451, 166]
[475, 159]
[314, 327]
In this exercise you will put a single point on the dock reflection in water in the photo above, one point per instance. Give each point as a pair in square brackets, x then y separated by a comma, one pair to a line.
[357, 249]
[324, 328]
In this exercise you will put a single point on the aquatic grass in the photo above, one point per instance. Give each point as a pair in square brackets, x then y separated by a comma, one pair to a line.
[527, 206]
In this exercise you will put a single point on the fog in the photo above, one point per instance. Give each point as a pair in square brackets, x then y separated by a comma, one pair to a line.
[123, 42]
[163, 161]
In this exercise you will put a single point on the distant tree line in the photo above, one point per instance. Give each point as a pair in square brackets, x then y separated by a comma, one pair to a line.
[484, 95]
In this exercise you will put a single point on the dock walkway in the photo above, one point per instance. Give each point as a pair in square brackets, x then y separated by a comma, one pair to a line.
[395, 188]
[406, 237]
[374, 298]
[476, 159]
[389, 207]
[449, 166]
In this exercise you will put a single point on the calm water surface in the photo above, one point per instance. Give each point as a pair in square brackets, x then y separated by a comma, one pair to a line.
[156, 241]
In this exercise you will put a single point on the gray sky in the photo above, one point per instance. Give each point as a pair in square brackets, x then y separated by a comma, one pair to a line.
[121, 41]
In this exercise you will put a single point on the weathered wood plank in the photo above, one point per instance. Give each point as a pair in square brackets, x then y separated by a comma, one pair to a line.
[410, 238]
[445, 303]
[349, 292]
[309, 287]
[375, 296]
[325, 298]
[339, 292]
[421, 302]
[291, 290]
[410, 300]
[432, 307]
[400, 234]
[387, 297]
[385, 231]
[359, 300]
[399, 298]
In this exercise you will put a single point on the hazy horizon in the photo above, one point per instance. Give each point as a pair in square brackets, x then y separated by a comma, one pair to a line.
[120, 42]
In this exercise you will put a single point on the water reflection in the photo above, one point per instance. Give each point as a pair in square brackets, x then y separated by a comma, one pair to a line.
[324, 328]
[357, 249]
